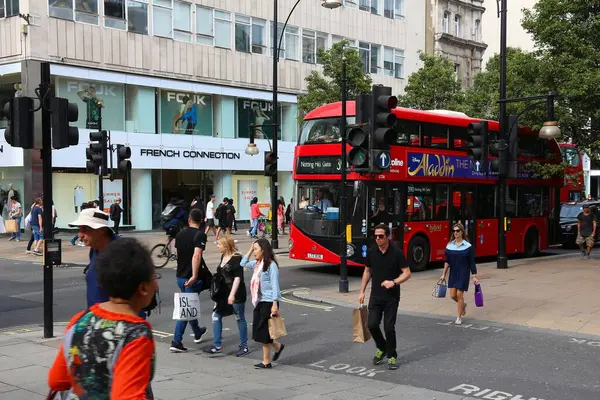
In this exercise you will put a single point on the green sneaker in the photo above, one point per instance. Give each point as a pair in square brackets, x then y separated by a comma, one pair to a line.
[379, 356]
[392, 363]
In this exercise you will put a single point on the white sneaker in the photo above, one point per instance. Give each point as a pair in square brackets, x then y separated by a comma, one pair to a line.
[458, 321]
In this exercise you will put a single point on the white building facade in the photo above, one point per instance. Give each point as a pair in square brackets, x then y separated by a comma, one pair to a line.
[181, 83]
[456, 28]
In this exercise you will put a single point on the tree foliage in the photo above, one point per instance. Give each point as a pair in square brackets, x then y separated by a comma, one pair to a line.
[326, 87]
[433, 86]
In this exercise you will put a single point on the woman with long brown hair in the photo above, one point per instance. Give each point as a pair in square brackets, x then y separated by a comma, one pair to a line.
[460, 259]
[266, 295]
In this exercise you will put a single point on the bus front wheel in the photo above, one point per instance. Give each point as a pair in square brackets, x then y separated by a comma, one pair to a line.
[418, 253]
[532, 246]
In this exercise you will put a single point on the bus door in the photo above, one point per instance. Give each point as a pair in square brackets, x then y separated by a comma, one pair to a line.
[487, 223]
[462, 209]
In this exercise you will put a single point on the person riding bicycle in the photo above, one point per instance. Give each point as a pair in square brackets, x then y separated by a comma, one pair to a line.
[174, 217]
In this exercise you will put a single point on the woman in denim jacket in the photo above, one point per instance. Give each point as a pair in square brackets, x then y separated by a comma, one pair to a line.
[266, 295]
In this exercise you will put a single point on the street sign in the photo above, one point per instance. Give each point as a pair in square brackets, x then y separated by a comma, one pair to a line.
[383, 159]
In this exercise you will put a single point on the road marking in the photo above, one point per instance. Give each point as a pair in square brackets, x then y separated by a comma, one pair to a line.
[301, 303]
[475, 327]
[490, 394]
[161, 334]
[584, 342]
[347, 368]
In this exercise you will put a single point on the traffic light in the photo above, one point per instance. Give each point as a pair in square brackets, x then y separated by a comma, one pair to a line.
[96, 153]
[358, 138]
[64, 112]
[19, 132]
[477, 142]
[123, 156]
[270, 163]
[383, 118]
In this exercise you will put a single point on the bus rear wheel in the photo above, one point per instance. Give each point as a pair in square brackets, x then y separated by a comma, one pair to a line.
[532, 245]
[418, 253]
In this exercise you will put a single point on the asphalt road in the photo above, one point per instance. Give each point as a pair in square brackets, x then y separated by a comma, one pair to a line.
[484, 361]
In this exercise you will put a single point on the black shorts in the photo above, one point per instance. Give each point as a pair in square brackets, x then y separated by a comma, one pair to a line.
[210, 222]
[260, 322]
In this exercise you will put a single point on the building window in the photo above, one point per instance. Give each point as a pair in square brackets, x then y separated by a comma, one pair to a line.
[137, 17]
[364, 50]
[375, 50]
[388, 8]
[114, 14]
[162, 18]
[223, 29]
[309, 46]
[321, 45]
[280, 40]
[242, 33]
[350, 3]
[398, 8]
[372, 6]
[259, 39]
[456, 72]
[60, 9]
[204, 26]
[446, 22]
[292, 43]
[9, 8]
[476, 30]
[457, 25]
[182, 21]
[393, 62]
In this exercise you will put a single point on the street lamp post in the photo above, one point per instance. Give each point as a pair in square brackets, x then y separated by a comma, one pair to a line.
[330, 4]
[502, 262]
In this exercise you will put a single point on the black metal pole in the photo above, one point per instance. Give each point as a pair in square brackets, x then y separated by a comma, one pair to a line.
[102, 164]
[46, 154]
[343, 286]
[274, 205]
[556, 210]
[502, 261]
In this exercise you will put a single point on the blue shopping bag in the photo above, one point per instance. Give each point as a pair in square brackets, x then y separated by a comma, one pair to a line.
[439, 290]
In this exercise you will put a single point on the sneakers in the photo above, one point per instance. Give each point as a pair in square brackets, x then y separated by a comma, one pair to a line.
[198, 339]
[242, 351]
[583, 255]
[392, 363]
[379, 356]
[458, 321]
[213, 350]
[177, 348]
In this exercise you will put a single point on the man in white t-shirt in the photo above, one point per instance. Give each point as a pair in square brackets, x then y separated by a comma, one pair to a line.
[210, 216]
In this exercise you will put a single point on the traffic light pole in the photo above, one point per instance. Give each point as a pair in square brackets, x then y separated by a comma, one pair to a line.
[274, 205]
[46, 155]
[502, 262]
[343, 286]
[100, 172]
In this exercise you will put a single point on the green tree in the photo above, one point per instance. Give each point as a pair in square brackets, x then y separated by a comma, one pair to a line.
[566, 34]
[326, 88]
[433, 86]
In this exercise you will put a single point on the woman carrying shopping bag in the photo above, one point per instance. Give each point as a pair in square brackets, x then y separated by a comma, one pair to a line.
[234, 296]
[460, 259]
[266, 295]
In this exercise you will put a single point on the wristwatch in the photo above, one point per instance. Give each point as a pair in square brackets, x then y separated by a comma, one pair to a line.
[395, 283]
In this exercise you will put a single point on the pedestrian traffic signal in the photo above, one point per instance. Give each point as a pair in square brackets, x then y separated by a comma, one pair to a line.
[270, 163]
[123, 156]
[477, 143]
[64, 112]
[358, 138]
[19, 132]
[383, 118]
[96, 153]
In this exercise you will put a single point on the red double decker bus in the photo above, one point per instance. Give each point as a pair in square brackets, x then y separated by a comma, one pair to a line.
[574, 187]
[431, 184]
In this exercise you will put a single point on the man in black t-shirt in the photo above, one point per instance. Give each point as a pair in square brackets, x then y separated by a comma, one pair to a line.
[388, 268]
[586, 231]
[190, 243]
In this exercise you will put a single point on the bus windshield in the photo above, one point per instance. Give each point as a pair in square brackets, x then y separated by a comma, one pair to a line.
[570, 156]
[323, 130]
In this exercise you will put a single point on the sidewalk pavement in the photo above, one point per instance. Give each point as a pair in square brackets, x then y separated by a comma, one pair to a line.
[25, 359]
[552, 292]
[79, 256]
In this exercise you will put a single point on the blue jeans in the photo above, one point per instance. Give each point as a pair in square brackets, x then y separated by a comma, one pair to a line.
[240, 316]
[254, 227]
[17, 235]
[181, 325]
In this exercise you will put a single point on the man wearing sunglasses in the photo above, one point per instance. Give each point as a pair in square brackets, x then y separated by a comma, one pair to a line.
[387, 266]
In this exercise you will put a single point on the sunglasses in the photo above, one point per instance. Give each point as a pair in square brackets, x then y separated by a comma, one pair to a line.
[456, 230]
[379, 236]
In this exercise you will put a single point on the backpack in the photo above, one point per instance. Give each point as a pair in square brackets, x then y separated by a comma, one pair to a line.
[28, 221]
[219, 212]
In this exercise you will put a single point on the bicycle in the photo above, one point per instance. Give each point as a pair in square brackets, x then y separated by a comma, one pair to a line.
[162, 253]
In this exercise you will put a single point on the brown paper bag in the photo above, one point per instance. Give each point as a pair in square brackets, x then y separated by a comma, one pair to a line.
[277, 328]
[11, 225]
[360, 331]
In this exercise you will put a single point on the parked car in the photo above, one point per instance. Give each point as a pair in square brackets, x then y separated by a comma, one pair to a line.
[568, 220]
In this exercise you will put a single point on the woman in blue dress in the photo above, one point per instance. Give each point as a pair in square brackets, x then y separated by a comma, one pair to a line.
[460, 259]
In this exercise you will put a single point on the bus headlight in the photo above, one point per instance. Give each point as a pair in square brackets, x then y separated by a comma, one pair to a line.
[349, 250]
[290, 245]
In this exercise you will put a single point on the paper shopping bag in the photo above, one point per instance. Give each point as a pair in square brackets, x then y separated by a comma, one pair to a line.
[360, 330]
[276, 328]
[11, 226]
[186, 306]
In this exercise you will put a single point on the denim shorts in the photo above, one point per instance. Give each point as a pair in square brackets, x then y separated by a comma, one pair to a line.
[37, 235]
